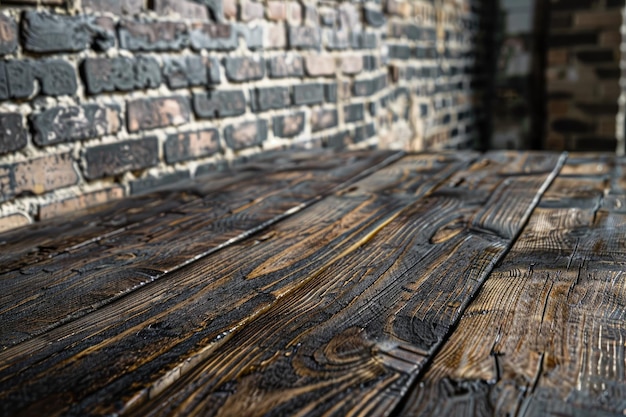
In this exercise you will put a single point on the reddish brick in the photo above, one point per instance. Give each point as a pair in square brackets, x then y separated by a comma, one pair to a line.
[610, 38]
[117, 158]
[81, 202]
[183, 8]
[276, 36]
[191, 145]
[351, 64]
[230, 8]
[13, 221]
[37, 176]
[8, 35]
[246, 134]
[251, 10]
[276, 10]
[558, 56]
[320, 65]
[151, 113]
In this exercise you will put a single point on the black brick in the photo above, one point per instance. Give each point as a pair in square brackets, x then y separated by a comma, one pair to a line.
[13, 135]
[191, 145]
[66, 124]
[330, 92]
[270, 98]
[57, 77]
[117, 158]
[614, 3]
[245, 68]
[219, 104]
[608, 73]
[364, 132]
[16, 79]
[211, 36]
[374, 17]
[304, 37]
[8, 35]
[568, 125]
[246, 134]
[596, 56]
[339, 140]
[193, 70]
[145, 185]
[152, 36]
[308, 93]
[45, 32]
[354, 112]
[120, 74]
[289, 126]
[573, 39]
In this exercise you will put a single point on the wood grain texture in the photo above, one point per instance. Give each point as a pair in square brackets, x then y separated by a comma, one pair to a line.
[39, 296]
[546, 333]
[85, 367]
[351, 337]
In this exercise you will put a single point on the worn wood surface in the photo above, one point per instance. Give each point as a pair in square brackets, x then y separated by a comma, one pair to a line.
[35, 294]
[330, 284]
[546, 335]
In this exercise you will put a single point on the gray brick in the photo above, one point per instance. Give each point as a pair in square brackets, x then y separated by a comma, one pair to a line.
[191, 145]
[244, 68]
[304, 37]
[16, 79]
[246, 134]
[211, 36]
[13, 135]
[270, 98]
[57, 77]
[120, 74]
[145, 185]
[289, 126]
[324, 119]
[8, 35]
[354, 112]
[191, 70]
[286, 66]
[152, 35]
[216, 104]
[117, 158]
[152, 113]
[312, 93]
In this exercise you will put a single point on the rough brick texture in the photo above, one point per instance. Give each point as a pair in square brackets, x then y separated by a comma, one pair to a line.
[121, 97]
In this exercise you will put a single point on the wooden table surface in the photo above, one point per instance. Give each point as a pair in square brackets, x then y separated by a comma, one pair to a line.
[368, 283]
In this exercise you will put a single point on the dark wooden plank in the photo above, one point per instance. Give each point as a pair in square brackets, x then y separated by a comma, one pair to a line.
[86, 366]
[546, 333]
[52, 237]
[351, 338]
[36, 298]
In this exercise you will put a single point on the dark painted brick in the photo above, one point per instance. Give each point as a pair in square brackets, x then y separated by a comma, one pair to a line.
[152, 36]
[13, 135]
[412, 32]
[57, 77]
[308, 93]
[191, 145]
[324, 119]
[304, 37]
[8, 34]
[146, 185]
[569, 125]
[45, 32]
[120, 74]
[330, 92]
[211, 36]
[216, 104]
[37, 176]
[152, 113]
[365, 132]
[191, 70]
[288, 126]
[399, 52]
[117, 158]
[572, 39]
[354, 112]
[246, 134]
[270, 98]
[244, 68]
[595, 56]
[16, 79]
[66, 124]
[286, 66]
[339, 140]
[374, 17]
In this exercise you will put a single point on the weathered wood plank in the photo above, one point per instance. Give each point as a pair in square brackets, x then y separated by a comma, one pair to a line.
[546, 334]
[352, 336]
[35, 297]
[175, 322]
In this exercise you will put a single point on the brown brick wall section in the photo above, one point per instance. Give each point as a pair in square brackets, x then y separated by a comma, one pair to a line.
[100, 99]
[583, 75]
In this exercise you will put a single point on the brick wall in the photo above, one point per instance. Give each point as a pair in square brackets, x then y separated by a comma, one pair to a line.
[100, 99]
[582, 75]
